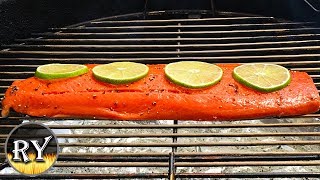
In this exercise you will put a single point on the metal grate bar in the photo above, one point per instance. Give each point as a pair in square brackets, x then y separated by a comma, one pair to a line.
[88, 176]
[8, 67]
[237, 26]
[18, 117]
[139, 40]
[18, 66]
[202, 164]
[286, 64]
[159, 46]
[241, 59]
[248, 175]
[190, 135]
[190, 164]
[260, 19]
[188, 154]
[225, 52]
[159, 175]
[260, 163]
[164, 175]
[168, 126]
[112, 164]
[187, 159]
[252, 143]
[172, 167]
[183, 154]
[257, 31]
[255, 44]
[306, 69]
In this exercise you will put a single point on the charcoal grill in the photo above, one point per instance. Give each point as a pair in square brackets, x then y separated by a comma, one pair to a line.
[181, 149]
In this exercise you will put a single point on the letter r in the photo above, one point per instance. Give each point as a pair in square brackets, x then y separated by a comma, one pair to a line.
[22, 150]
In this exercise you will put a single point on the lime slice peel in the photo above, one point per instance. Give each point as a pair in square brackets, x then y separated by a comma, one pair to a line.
[193, 74]
[57, 71]
[120, 72]
[262, 77]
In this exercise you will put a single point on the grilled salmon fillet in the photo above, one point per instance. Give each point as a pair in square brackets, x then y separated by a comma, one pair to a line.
[154, 97]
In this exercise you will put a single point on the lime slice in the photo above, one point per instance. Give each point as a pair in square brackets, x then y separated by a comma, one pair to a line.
[120, 72]
[193, 74]
[262, 77]
[56, 71]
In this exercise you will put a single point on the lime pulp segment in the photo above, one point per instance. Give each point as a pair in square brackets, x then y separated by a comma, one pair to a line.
[193, 74]
[120, 72]
[262, 77]
[56, 71]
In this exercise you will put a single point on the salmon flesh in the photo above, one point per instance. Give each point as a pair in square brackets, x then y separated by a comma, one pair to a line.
[156, 98]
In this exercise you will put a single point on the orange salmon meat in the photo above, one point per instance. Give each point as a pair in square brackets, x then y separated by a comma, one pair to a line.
[156, 98]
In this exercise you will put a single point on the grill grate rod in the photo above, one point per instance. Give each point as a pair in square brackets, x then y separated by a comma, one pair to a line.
[19, 117]
[190, 159]
[106, 47]
[150, 159]
[252, 143]
[242, 59]
[191, 135]
[172, 167]
[75, 53]
[35, 65]
[168, 126]
[248, 175]
[187, 156]
[185, 26]
[164, 175]
[238, 19]
[249, 31]
[200, 158]
[191, 154]
[189, 164]
[306, 69]
[217, 39]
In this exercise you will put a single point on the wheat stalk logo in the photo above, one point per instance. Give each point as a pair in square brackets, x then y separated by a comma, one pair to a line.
[33, 166]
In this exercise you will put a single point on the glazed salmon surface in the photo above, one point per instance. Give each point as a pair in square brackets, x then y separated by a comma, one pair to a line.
[154, 97]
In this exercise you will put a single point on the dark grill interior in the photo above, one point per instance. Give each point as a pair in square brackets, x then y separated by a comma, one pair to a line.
[163, 37]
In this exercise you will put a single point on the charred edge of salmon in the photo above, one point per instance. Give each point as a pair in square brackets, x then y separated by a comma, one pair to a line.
[5, 113]
[5, 110]
[12, 90]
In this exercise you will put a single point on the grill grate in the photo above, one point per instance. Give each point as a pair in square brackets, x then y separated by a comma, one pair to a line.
[263, 148]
